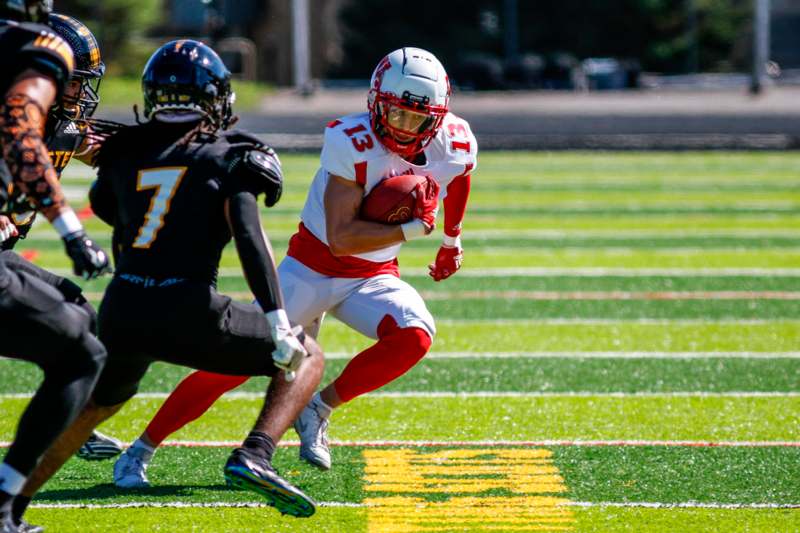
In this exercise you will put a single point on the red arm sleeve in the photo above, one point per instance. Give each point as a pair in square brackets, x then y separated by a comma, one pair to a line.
[455, 205]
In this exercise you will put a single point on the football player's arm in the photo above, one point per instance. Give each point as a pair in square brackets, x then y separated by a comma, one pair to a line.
[22, 121]
[448, 259]
[255, 252]
[258, 263]
[348, 234]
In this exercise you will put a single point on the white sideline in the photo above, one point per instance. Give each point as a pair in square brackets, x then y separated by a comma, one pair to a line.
[258, 505]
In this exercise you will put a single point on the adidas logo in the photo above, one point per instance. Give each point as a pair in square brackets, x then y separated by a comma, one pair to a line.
[72, 129]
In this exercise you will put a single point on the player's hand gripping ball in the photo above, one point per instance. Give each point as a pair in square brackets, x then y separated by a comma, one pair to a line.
[398, 199]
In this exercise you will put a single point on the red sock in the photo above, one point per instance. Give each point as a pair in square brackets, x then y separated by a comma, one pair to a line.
[191, 398]
[397, 350]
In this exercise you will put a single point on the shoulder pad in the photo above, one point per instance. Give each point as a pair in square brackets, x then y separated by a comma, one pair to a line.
[259, 170]
[460, 143]
[37, 46]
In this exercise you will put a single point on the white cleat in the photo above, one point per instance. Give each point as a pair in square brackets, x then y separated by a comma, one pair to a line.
[312, 427]
[130, 470]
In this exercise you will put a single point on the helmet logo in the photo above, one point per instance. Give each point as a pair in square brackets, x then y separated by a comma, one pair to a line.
[381, 69]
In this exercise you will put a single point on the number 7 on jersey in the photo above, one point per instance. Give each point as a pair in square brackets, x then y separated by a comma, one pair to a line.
[165, 181]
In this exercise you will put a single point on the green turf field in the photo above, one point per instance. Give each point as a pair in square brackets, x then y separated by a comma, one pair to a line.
[620, 352]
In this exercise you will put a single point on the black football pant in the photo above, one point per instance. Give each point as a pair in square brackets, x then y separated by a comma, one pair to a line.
[143, 320]
[38, 325]
[70, 290]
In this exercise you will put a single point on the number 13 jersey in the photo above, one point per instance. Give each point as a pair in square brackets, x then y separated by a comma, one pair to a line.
[352, 151]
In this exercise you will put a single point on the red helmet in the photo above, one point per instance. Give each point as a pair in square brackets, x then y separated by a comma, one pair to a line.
[408, 100]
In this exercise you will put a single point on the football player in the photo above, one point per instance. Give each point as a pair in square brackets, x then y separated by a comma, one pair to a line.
[36, 323]
[176, 189]
[65, 136]
[341, 264]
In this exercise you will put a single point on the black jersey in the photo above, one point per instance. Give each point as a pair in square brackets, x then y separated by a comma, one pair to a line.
[63, 137]
[166, 199]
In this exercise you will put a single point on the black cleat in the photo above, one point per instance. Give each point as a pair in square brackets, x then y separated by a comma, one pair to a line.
[100, 447]
[249, 471]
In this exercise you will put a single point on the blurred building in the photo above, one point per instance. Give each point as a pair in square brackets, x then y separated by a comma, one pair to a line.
[266, 25]
[786, 33]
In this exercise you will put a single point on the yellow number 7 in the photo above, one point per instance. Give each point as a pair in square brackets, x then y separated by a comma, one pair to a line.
[166, 182]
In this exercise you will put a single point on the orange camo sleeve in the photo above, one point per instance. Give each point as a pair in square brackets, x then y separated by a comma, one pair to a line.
[21, 130]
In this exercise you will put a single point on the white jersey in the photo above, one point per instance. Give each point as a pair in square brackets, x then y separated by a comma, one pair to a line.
[352, 151]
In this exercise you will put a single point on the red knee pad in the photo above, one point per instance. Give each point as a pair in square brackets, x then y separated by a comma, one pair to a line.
[396, 352]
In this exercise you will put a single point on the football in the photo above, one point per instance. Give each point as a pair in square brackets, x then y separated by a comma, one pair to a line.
[392, 200]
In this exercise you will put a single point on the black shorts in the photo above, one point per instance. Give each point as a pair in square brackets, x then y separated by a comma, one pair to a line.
[36, 323]
[179, 322]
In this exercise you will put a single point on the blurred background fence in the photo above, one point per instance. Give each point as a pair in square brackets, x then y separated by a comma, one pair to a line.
[686, 52]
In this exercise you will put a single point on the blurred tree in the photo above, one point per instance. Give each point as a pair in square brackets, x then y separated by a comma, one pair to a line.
[116, 23]
[654, 32]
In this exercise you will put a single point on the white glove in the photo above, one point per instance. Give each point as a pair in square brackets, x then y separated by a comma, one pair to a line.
[289, 351]
[7, 229]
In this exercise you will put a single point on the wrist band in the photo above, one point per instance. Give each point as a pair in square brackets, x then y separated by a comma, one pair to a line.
[67, 223]
[452, 242]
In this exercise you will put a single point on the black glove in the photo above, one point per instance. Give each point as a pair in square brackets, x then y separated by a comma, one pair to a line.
[88, 260]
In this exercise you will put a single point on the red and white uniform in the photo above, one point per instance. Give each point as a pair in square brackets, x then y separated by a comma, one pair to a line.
[314, 281]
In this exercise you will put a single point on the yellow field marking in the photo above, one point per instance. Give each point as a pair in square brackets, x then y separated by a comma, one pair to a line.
[528, 475]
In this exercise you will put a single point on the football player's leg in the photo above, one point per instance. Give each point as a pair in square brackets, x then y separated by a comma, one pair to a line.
[390, 310]
[72, 293]
[190, 399]
[198, 392]
[37, 325]
[118, 382]
[242, 349]
[384, 308]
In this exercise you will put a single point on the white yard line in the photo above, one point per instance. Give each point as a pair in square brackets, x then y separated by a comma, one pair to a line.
[583, 272]
[176, 505]
[554, 235]
[686, 505]
[499, 443]
[259, 505]
[593, 355]
[573, 295]
[587, 355]
[494, 394]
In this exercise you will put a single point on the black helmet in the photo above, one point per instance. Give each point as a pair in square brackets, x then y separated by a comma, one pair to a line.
[89, 68]
[26, 10]
[185, 80]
